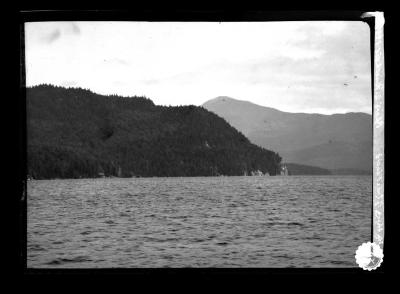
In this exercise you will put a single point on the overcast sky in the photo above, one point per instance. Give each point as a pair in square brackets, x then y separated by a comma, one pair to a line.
[319, 67]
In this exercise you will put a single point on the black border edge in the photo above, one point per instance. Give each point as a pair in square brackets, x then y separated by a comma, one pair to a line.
[174, 15]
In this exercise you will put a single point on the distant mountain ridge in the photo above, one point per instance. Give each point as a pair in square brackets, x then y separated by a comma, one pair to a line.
[73, 133]
[298, 169]
[334, 142]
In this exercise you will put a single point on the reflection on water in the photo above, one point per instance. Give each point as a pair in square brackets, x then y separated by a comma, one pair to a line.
[309, 221]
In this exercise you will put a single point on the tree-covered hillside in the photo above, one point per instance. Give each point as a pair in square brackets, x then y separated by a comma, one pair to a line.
[74, 133]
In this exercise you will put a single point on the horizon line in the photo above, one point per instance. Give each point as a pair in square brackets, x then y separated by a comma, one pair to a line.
[200, 105]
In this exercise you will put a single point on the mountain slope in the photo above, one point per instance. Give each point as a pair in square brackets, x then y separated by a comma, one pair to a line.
[76, 133]
[298, 169]
[329, 141]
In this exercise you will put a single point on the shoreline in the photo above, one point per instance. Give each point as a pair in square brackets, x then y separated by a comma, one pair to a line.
[178, 177]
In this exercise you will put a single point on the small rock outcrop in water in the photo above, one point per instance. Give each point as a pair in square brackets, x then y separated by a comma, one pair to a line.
[73, 133]
[284, 170]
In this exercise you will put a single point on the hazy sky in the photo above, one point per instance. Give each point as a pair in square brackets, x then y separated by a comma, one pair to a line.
[321, 67]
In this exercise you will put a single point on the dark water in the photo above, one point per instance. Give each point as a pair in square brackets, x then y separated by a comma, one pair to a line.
[308, 221]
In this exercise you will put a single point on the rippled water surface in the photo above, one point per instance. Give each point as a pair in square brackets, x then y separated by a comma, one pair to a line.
[298, 221]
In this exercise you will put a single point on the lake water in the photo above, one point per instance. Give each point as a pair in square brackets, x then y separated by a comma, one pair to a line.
[296, 221]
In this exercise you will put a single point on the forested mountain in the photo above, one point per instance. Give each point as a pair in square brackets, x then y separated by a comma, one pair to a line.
[74, 133]
[334, 142]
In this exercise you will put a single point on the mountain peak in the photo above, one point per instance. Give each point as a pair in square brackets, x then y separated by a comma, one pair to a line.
[223, 98]
[229, 103]
[220, 99]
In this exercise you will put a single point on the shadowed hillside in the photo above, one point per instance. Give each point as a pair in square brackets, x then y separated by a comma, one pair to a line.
[76, 133]
[338, 141]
